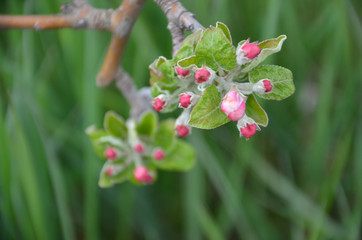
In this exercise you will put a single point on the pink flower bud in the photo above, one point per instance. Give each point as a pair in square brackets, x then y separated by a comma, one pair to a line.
[263, 86]
[138, 147]
[159, 154]
[202, 75]
[142, 175]
[110, 153]
[158, 104]
[110, 171]
[267, 85]
[185, 100]
[249, 130]
[182, 131]
[233, 105]
[251, 50]
[182, 72]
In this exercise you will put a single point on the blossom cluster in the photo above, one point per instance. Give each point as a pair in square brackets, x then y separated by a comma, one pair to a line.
[234, 101]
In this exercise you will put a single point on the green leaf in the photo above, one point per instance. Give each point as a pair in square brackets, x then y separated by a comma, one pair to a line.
[282, 81]
[255, 111]
[95, 135]
[268, 47]
[147, 124]
[215, 50]
[163, 73]
[187, 62]
[188, 45]
[180, 158]
[125, 174]
[225, 29]
[115, 125]
[207, 114]
[165, 135]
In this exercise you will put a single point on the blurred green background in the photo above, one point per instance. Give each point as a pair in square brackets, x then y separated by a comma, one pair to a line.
[299, 178]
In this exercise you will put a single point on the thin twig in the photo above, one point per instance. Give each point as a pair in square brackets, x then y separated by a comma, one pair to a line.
[179, 19]
[72, 16]
[139, 100]
[122, 20]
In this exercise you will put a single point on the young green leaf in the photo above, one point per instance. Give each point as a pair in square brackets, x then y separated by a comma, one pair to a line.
[165, 135]
[147, 124]
[180, 158]
[282, 81]
[187, 62]
[162, 72]
[126, 171]
[188, 45]
[95, 135]
[215, 50]
[255, 111]
[268, 47]
[115, 125]
[225, 29]
[207, 114]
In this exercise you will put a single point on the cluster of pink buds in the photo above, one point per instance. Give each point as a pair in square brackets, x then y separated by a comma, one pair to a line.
[143, 175]
[247, 127]
[263, 86]
[247, 52]
[233, 105]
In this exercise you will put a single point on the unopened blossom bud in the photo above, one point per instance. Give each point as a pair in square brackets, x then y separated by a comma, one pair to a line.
[247, 52]
[182, 131]
[110, 153]
[182, 72]
[159, 154]
[138, 147]
[251, 50]
[202, 75]
[247, 127]
[110, 171]
[267, 85]
[159, 102]
[263, 86]
[248, 131]
[141, 174]
[185, 100]
[233, 105]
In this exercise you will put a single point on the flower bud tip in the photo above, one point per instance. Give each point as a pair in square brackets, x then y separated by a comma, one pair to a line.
[202, 75]
[159, 154]
[110, 153]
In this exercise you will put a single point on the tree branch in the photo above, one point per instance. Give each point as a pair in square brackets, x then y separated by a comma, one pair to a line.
[179, 19]
[139, 100]
[72, 16]
[122, 20]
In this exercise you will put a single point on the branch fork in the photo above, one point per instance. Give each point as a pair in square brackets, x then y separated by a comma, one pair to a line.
[79, 14]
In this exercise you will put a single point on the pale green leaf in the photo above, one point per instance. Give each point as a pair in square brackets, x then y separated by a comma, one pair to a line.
[115, 125]
[255, 111]
[282, 81]
[225, 29]
[267, 47]
[180, 158]
[207, 114]
[215, 51]
[147, 124]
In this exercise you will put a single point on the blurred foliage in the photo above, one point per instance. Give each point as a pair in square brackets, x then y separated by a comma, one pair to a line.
[300, 178]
